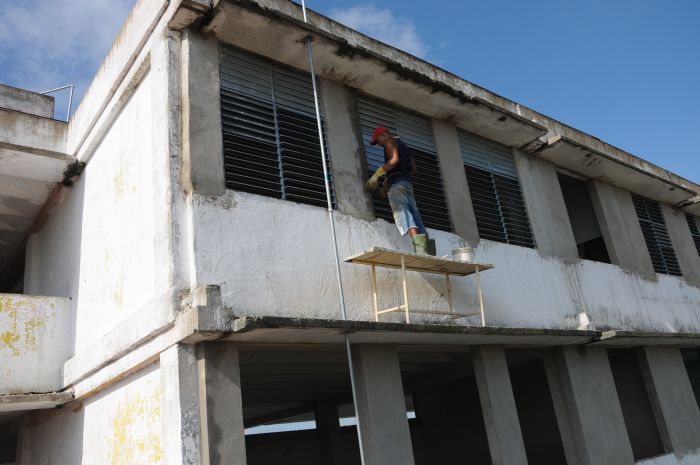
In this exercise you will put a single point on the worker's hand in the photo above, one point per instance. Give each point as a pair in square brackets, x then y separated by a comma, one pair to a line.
[373, 183]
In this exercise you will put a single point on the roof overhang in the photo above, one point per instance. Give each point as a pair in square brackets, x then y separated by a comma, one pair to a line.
[281, 330]
[277, 30]
[625, 171]
[32, 162]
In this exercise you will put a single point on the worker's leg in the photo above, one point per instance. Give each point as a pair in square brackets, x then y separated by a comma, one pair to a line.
[405, 211]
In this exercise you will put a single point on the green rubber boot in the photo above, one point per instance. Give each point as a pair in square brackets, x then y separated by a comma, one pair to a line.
[420, 243]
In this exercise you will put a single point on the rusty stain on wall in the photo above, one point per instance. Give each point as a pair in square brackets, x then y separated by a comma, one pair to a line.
[136, 430]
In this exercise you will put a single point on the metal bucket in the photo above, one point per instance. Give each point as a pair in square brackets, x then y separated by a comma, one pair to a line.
[463, 254]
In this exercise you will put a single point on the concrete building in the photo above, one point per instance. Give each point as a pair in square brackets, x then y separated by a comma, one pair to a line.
[168, 279]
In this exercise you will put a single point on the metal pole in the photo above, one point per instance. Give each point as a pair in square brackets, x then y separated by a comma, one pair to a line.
[70, 96]
[329, 201]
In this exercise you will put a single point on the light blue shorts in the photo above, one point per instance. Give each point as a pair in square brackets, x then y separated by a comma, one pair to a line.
[403, 206]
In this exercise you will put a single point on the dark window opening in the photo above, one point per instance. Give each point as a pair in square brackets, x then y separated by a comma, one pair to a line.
[691, 359]
[651, 220]
[694, 225]
[416, 132]
[12, 276]
[584, 223]
[494, 187]
[533, 401]
[636, 406]
[270, 133]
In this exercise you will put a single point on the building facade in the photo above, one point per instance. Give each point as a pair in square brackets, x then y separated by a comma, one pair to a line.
[168, 273]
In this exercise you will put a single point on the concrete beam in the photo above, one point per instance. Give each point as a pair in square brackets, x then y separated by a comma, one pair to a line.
[347, 157]
[683, 244]
[498, 406]
[180, 409]
[590, 399]
[454, 181]
[220, 404]
[620, 227]
[26, 101]
[386, 439]
[202, 141]
[545, 206]
[672, 398]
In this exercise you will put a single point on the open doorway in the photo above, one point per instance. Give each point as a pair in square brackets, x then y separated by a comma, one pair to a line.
[584, 223]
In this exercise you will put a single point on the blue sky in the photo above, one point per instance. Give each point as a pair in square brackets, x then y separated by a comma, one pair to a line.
[625, 71]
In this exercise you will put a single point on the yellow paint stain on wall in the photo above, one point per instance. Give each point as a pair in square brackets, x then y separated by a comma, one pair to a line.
[23, 318]
[9, 336]
[136, 426]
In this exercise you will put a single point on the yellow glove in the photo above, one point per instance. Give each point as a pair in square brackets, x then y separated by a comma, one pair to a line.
[373, 183]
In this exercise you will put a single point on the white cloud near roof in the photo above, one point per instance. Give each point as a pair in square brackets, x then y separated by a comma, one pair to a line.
[46, 44]
[382, 24]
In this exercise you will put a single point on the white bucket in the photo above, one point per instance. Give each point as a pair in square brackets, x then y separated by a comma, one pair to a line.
[463, 254]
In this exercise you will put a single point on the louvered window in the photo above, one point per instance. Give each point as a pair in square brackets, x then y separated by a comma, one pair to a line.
[694, 225]
[495, 191]
[416, 132]
[663, 257]
[271, 144]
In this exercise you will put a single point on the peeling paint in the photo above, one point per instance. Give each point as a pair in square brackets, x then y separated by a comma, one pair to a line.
[136, 428]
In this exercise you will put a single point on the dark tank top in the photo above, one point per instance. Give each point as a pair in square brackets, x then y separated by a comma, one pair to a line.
[402, 172]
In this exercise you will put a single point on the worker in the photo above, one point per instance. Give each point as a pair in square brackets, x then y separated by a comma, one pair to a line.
[399, 167]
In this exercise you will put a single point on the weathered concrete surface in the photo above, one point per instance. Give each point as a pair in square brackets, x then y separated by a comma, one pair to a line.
[34, 343]
[672, 398]
[546, 208]
[22, 133]
[24, 402]
[523, 290]
[221, 408]
[620, 227]
[345, 150]
[454, 181]
[673, 459]
[594, 412]
[498, 406]
[180, 406]
[686, 252]
[120, 425]
[12, 98]
[202, 142]
[382, 409]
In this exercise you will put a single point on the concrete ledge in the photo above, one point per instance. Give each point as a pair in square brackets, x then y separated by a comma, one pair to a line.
[21, 402]
[302, 330]
[619, 338]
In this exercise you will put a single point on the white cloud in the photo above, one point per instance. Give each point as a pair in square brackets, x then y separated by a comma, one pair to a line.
[46, 44]
[382, 24]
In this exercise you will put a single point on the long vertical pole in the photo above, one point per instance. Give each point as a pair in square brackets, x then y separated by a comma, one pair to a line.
[329, 201]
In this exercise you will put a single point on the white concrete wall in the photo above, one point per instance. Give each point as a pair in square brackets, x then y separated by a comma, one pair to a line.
[121, 425]
[34, 343]
[273, 257]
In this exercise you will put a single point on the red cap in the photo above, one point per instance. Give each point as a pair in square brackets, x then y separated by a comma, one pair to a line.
[377, 132]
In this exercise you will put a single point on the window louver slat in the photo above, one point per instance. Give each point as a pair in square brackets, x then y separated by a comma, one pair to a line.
[658, 242]
[494, 187]
[271, 143]
[417, 133]
[694, 225]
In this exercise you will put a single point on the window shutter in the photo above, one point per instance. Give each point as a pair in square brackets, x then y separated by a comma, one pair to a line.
[271, 144]
[694, 229]
[495, 191]
[663, 257]
[417, 133]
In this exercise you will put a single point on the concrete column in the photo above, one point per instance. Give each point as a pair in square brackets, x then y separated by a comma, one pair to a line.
[545, 206]
[454, 181]
[180, 406]
[672, 398]
[345, 151]
[498, 406]
[679, 232]
[328, 426]
[202, 139]
[620, 227]
[220, 404]
[590, 399]
[386, 439]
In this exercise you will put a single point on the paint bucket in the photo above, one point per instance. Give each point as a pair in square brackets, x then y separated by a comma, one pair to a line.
[463, 254]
